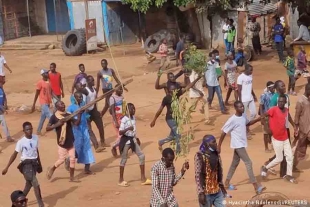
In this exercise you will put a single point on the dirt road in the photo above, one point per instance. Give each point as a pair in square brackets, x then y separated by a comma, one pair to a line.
[101, 189]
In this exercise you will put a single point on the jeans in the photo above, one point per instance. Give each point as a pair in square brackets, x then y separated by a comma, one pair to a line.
[242, 154]
[214, 200]
[218, 91]
[45, 114]
[173, 135]
[230, 47]
[279, 147]
[226, 46]
[280, 48]
[250, 105]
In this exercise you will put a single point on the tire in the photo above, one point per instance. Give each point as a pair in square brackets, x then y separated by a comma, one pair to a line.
[152, 43]
[74, 42]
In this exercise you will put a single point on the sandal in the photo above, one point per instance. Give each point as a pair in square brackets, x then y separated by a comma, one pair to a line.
[290, 179]
[231, 187]
[100, 149]
[49, 173]
[147, 182]
[123, 184]
[260, 189]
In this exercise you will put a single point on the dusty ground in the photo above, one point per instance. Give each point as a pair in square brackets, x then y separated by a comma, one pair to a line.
[101, 189]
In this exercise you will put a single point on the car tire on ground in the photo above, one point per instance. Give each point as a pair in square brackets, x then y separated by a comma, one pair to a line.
[74, 42]
[152, 43]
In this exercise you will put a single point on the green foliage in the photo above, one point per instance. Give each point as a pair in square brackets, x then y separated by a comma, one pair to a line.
[195, 60]
[201, 5]
[182, 114]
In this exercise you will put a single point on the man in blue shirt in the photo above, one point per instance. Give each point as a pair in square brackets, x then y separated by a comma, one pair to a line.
[3, 107]
[179, 48]
[277, 31]
[264, 106]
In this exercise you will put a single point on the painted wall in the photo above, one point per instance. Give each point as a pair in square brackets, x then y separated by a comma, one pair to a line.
[40, 15]
[79, 16]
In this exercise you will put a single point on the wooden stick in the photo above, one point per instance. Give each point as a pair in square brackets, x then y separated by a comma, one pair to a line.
[67, 118]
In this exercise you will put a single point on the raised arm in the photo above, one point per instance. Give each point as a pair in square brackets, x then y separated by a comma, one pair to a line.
[157, 85]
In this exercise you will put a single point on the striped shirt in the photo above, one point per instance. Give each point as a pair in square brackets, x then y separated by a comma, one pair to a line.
[163, 180]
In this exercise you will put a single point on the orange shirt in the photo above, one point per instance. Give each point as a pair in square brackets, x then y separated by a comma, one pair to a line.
[55, 83]
[45, 95]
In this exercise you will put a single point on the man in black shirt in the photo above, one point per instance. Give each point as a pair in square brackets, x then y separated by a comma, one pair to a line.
[171, 122]
[65, 139]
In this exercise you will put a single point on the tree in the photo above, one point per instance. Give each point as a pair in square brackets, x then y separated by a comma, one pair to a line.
[144, 5]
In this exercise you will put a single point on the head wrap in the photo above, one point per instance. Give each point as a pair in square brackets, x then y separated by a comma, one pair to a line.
[212, 155]
[207, 139]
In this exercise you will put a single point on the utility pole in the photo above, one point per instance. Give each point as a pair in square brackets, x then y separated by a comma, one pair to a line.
[86, 9]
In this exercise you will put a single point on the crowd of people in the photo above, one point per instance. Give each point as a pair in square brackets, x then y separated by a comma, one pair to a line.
[75, 135]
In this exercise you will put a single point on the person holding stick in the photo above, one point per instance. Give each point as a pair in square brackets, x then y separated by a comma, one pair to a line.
[171, 122]
[65, 140]
[81, 135]
[128, 141]
[105, 76]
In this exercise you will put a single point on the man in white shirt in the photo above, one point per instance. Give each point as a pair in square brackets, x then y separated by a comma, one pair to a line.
[303, 34]
[95, 116]
[213, 83]
[30, 161]
[128, 141]
[196, 94]
[245, 91]
[2, 73]
[225, 30]
[236, 126]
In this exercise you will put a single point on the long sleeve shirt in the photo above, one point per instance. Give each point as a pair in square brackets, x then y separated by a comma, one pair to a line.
[163, 180]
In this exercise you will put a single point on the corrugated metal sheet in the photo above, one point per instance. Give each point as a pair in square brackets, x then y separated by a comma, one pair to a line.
[259, 8]
[95, 12]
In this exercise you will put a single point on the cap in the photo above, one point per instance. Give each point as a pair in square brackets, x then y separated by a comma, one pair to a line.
[16, 194]
[43, 71]
[270, 84]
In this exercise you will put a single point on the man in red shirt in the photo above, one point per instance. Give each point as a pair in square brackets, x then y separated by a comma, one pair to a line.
[280, 141]
[56, 83]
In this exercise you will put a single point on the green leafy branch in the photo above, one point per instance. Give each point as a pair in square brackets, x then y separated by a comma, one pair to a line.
[195, 60]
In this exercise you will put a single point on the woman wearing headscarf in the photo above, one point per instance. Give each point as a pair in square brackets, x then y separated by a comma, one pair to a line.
[209, 174]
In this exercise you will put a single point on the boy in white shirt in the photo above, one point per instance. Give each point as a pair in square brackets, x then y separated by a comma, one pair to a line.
[128, 141]
[236, 126]
[2, 73]
[30, 161]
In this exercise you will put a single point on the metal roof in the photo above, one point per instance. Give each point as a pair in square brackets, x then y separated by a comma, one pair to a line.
[258, 8]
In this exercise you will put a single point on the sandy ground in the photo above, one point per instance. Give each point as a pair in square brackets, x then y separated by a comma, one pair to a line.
[101, 189]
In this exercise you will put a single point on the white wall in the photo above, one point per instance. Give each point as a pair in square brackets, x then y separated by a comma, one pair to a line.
[40, 13]
[95, 12]
[205, 29]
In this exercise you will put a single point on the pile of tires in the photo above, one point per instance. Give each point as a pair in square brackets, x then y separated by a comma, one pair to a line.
[74, 42]
[153, 42]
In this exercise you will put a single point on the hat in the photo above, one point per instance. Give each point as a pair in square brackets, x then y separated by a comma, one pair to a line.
[15, 195]
[270, 84]
[43, 71]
